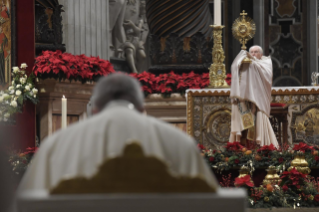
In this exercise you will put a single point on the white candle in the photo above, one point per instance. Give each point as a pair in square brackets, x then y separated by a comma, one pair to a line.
[217, 12]
[64, 112]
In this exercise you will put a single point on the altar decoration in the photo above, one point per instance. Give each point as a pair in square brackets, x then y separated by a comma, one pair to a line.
[299, 163]
[21, 89]
[272, 177]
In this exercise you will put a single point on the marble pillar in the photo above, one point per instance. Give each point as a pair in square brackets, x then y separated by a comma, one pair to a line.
[259, 20]
[86, 26]
[312, 38]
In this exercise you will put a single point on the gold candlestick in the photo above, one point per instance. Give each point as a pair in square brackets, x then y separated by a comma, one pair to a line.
[217, 72]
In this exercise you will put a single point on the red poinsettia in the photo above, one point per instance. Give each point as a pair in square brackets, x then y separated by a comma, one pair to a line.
[317, 158]
[317, 198]
[201, 146]
[285, 188]
[211, 159]
[302, 147]
[267, 148]
[243, 181]
[293, 178]
[233, 146]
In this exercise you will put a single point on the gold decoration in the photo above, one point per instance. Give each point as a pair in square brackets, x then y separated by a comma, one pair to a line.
[244, 29]
[133, 172]
[217, 71]
[272, 177]
[244, 170]
[300, 163]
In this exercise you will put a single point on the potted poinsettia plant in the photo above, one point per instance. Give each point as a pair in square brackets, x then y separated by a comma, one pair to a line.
[21, 89]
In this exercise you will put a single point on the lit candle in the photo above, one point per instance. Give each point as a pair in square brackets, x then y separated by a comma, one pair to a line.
[217, 12]
[64, 112]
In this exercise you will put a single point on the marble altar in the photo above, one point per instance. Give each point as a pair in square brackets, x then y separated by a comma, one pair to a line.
[209, 113]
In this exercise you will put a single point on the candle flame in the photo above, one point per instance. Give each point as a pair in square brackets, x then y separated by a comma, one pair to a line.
[63, 97]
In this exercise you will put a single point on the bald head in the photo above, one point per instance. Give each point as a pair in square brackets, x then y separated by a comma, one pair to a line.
[117, 86]
[256, 51]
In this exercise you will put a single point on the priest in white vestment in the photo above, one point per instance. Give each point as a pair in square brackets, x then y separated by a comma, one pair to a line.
[251, 97]
[117, 121]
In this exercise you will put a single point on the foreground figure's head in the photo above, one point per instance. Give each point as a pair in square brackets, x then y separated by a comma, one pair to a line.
[117, 86]
[256, 51]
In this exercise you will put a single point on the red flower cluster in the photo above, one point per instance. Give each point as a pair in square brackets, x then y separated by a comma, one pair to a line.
[267, 148]
[233, 146]
[280, 160]
[302, 147]
[211, 159]
[317, 158]
[30, 150]
[73, 67]
[317, 198]
[243, 181]
[201, 146]
[293, 178]
[60, 65]
[171, 82]
[228, 79]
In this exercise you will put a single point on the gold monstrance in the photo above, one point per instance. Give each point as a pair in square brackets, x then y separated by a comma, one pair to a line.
[244, 29]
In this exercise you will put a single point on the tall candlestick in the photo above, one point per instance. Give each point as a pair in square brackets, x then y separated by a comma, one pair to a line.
[64, 112]
[217, 12]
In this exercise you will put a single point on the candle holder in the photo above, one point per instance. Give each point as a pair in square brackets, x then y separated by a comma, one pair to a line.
[217, 71]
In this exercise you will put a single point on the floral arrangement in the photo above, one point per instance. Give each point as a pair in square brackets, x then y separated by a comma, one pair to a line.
[20, 161]
[65, 66]
[294, 190]
[21, 89]
[235, 155]
[60, 66]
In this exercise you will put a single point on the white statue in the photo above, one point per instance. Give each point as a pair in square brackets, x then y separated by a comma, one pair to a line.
[135, 28]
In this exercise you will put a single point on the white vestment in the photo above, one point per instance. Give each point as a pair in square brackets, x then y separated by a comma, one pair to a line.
[252, 83]
[82, 147]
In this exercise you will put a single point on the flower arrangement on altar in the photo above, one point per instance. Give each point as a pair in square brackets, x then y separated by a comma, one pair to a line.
[21, 160]
[21, 89]
[65, 66]
[293, 189]
[235, 155]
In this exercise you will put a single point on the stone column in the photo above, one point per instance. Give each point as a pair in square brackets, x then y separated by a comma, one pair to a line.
[312, 39]
[259, 20]
[85, 27]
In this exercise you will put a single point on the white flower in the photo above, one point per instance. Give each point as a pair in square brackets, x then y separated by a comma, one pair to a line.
[10, 88]
[16, 69]
[23, 80]
[18, 93]
[35, 91]
[27, 88]
[23, 65]
[14, 104]
[1, 99]
[18, 86]
[5, 96]
[13, 82]
[34, 96]
[6, 115]
[30, 85]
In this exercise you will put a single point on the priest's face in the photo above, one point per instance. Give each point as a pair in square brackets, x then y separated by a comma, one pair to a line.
[255, 52]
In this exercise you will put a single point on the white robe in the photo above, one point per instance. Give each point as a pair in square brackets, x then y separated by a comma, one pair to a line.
[253, 82]
[82, 147]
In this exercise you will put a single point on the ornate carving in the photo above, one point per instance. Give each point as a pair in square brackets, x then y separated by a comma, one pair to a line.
[48, 26]
[133, 172]
[217, 72]
[305, 125]
[190, 52]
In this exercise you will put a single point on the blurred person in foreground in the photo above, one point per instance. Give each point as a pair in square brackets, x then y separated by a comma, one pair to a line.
[118, 120]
